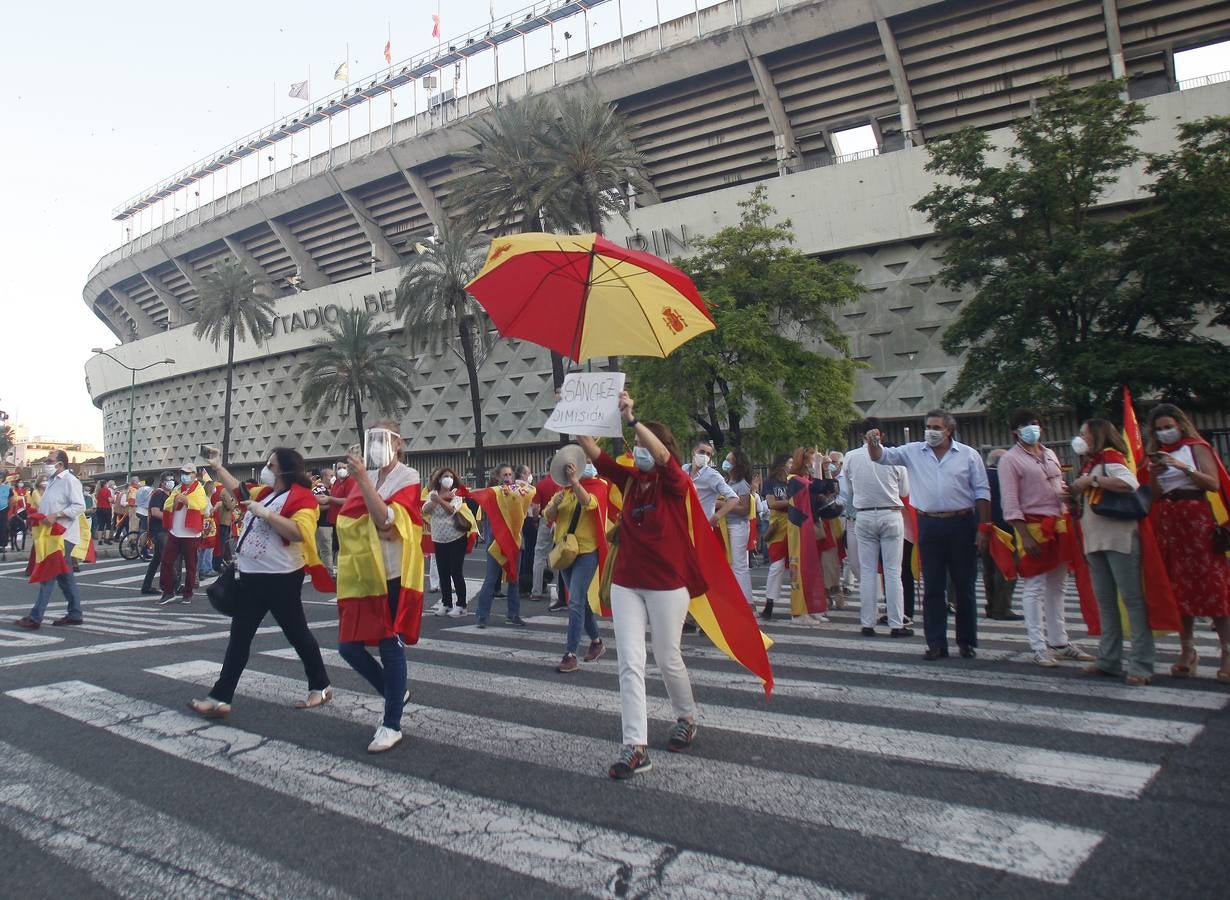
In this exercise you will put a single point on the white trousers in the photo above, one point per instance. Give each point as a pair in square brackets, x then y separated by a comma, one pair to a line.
[738, 529]
[663, 611]
[1042, 599]
[881, 535]
[433, 574]
[777, 573]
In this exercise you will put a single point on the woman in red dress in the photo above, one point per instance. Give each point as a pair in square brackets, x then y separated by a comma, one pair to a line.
[1184, 469]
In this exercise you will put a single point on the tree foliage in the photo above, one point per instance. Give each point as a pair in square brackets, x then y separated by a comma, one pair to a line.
[1057, 318]
[352, 364]
[777, 356]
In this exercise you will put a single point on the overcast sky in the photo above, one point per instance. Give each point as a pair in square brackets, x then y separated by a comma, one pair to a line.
[102, 100]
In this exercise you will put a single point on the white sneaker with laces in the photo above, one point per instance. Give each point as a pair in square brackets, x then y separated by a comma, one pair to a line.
[1071, 650]
[386, 739]
[456, 612]
[439, 609]
[1044, 659]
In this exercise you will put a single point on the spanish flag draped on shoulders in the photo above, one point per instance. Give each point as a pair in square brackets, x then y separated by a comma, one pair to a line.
[696, 555]
[807, 594]
[591, 527]
[505, 507]
[366, 562]
[47, 549]
[301, 508]
[196, 504]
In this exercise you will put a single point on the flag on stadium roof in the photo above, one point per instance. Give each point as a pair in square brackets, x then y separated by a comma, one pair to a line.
[388, 52]
[300, 91]
[343, 72]
[435, 25]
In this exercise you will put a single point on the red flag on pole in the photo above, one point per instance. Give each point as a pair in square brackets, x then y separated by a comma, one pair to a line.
[435, 25]
[388, 52]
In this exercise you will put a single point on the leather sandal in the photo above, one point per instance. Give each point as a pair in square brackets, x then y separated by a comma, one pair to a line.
[1188, 664]
[209, 707]
[315, 699]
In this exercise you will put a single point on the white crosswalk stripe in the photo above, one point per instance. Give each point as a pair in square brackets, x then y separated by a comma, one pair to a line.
[566, 854]
[1015, 844]
[129, 848]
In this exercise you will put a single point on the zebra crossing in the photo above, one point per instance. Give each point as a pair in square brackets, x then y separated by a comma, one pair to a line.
[990, 769]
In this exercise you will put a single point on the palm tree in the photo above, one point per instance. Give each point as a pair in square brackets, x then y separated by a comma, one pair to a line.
[354, 362]
[231, 304]
[432, 302]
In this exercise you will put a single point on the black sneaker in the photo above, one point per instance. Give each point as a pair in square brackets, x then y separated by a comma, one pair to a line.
[869, 632]
[766, 614]
[689, 627]
[516, 621]
[681, 736]
[631, 760]
[167, 599]
[558, 603]
[883, 620]
[902, 632]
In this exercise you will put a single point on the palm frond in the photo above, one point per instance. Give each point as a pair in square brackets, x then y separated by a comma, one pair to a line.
[231, 299]
[355, 360]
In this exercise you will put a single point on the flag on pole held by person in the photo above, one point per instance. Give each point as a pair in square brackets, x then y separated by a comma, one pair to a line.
[299, 91]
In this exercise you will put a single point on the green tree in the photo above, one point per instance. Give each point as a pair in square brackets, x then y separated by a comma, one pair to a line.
[1181, 245]
[232, 304]
[433, 303]
[352, 363]
[1056, 318]
[777, 354]
[7, 440]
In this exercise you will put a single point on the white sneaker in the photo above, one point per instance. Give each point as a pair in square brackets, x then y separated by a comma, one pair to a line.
[804, 621]
[439, 609]
[1071, 650]
[385, 740]
[1044, 659]
[820, 619]
[457, 612]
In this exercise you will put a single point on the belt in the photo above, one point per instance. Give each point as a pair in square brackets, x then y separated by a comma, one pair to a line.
[946, 515]
[875, 508]
[1184, 494]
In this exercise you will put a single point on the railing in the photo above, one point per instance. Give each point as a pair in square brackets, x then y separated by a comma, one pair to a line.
[1204, 81]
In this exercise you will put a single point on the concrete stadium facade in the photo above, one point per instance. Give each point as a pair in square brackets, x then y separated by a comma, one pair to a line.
[736, 95]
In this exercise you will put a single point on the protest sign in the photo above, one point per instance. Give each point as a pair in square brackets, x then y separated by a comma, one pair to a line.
[588, 404]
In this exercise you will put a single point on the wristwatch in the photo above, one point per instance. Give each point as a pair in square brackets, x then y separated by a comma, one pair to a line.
[633, 422]
[1094, 481]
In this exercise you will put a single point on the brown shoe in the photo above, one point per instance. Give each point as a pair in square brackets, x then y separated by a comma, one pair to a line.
[65, 620]
[1137, 680]
[568, 663]
[27, 622]
[596, 649]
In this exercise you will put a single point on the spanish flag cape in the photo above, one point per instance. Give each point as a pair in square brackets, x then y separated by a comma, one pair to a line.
[910, 522]
[362, 582]
[753, 522]
[753, 529]
[194, 495]
[806, 577]
[1054, 537]
[47, 549]
[776, 539]
[722, 612]
[83, 550]
[302, 509]
[505, 506]
[600, 489]
[1002, 547]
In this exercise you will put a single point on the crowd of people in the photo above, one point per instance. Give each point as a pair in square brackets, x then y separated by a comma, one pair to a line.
[621, 537]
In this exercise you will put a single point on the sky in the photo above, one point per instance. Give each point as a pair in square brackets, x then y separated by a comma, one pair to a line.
[100, 101]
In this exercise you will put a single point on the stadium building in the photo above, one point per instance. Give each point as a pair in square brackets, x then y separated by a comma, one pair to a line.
[324, 206]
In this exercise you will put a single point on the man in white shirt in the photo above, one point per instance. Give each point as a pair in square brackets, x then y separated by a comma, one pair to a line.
[63, 502]
[873, 493]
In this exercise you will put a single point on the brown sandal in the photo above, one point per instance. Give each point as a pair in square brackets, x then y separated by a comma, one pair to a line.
[1137, 680]
[1188, 664]
[315, 699]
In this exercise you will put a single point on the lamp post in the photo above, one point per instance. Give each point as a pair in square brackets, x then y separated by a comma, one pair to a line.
[132, 396]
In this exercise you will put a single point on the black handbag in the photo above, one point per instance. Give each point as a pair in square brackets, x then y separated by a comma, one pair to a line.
[223, 592]
[1123, 504]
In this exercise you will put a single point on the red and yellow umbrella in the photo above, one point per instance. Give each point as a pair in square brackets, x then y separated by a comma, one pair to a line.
[584, 296]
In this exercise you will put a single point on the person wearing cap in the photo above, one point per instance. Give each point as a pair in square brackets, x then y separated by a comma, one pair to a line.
[186, 509]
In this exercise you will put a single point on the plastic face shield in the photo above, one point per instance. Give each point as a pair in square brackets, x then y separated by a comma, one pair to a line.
[378, 450]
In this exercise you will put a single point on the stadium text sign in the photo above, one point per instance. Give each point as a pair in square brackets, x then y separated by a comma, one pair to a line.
[326, 314]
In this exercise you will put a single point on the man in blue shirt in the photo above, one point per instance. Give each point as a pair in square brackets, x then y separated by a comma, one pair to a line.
[950, 492]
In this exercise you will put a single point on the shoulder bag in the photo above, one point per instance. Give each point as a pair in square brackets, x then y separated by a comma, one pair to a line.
[1123, 504]
[223, 592]
[565, 551]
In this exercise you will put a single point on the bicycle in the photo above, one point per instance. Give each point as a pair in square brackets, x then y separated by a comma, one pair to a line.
[17, 532]
[137, 544]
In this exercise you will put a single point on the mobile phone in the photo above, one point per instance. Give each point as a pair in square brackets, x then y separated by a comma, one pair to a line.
[1156, 456]
[205, 451]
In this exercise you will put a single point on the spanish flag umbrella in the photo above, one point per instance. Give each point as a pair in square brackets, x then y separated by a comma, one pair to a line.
[584, 296]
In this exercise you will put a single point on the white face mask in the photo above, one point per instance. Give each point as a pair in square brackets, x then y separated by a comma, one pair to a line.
[343, 472]
[934, 436]
[49, 469]
[378, 449]
[1029, 434]
[1079, 446]
[643, 458]
[447, 482]
[169, 484]
[1168, 435]
[699, 460]
[267, 477]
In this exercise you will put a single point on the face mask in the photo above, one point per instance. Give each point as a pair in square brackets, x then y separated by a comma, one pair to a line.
[832, 470]
[933, 436]
[700, 460]
[185, 478]
[727, 465]
[1168, 435]
[507, 479]
[446, 482]
[1029, 434]
[643, 458]
[169, 484]
[1079, 446]
[49, 469]
[589, 471]
[267, 477]
[378, 449]
[343, 472]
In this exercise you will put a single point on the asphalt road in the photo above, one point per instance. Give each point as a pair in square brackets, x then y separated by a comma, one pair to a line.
[870, 772]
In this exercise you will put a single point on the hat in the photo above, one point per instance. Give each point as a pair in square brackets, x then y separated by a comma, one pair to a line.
[569, 453]
[188, 468]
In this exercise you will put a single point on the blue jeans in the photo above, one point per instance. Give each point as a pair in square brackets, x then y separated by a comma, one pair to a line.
[68, 584]
[578, 577]
[388, 676]
[491, 581]
[949, 549]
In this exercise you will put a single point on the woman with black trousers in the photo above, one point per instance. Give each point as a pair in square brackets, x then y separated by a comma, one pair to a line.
[444, 504]
[271, 562]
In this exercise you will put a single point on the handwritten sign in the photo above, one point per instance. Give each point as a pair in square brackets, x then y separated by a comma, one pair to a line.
[588, 404]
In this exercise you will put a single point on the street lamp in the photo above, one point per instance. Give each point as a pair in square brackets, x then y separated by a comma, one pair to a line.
[132, 396]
